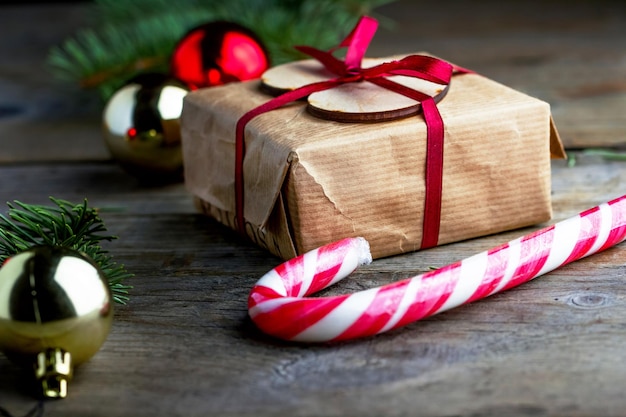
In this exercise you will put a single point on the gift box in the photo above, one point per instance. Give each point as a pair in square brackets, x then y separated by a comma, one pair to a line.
[308, 181]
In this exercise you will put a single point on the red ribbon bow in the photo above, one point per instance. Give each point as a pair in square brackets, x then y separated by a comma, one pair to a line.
[348, 71]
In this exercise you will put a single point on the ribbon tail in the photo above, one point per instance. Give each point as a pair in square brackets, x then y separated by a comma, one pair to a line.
[434, 159]
[434, 174]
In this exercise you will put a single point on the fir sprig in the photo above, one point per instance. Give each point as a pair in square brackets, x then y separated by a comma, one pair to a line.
[131, 37]
[77, 227]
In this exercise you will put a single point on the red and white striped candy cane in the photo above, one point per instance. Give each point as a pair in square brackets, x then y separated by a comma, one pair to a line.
[279, 306]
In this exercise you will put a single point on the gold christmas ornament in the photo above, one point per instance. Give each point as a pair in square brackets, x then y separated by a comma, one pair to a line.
[141, 127]
[55, 313]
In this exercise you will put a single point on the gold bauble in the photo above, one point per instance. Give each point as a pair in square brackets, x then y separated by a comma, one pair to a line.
[55, 313]
[141, 127]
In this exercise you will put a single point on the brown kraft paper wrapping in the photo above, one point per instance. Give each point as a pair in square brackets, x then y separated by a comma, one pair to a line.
[310, 181]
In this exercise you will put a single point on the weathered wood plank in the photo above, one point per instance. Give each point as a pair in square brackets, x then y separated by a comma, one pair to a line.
[569, 53]
[184, 345]
[40, 117]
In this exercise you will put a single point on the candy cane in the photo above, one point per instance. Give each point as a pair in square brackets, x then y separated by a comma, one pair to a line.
[279, 306]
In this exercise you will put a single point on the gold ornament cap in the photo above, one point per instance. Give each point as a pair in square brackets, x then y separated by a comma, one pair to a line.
[54, 370]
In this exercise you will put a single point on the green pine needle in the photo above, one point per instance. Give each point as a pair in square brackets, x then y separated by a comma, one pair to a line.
[611, 154]
[72, 226]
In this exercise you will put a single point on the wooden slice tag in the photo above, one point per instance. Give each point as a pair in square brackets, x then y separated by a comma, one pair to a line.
[351, 102]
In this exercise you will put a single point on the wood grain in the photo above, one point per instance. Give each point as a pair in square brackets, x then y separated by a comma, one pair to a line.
[184, 346]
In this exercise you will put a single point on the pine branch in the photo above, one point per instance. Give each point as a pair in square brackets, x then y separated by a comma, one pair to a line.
[72, 226]
[106, 57]
[140, 36]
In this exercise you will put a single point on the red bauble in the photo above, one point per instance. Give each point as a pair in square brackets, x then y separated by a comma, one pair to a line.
[218, 53]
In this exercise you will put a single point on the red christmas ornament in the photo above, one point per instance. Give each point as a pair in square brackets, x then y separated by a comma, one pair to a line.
[217, 53]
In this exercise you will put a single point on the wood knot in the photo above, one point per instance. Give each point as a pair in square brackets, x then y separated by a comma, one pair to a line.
[589, 300]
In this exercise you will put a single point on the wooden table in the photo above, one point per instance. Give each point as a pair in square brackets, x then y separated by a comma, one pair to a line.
[184, 345]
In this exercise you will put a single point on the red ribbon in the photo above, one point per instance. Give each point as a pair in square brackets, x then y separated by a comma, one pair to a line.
[348, 71]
